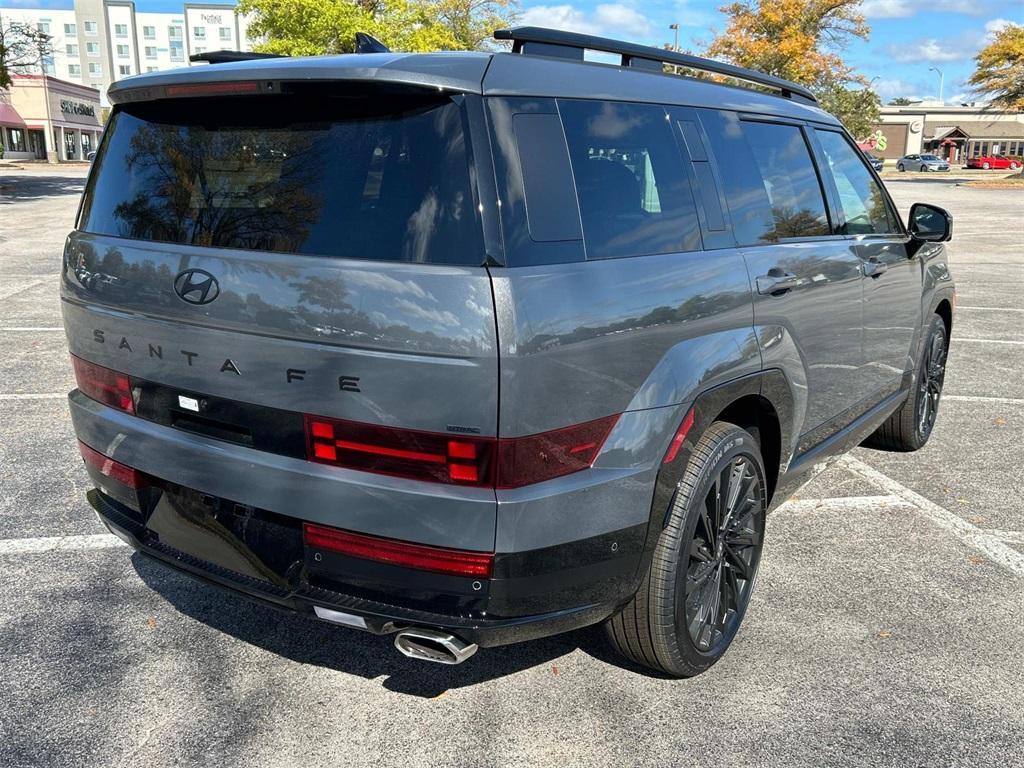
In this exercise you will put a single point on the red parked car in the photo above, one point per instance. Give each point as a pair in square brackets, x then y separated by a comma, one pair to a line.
[994, 161]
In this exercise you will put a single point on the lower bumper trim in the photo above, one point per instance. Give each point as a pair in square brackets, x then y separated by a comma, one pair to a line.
[347, 610]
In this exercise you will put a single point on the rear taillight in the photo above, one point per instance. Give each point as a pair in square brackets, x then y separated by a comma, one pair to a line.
[531, 459]
[483, 462]
[107, 386]
[115, 470]
[438, 559]
[407, 453]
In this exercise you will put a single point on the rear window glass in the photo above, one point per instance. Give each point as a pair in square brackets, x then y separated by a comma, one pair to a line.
[633, 192]
[383, 178]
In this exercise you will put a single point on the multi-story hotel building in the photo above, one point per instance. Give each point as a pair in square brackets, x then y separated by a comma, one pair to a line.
[100, 41]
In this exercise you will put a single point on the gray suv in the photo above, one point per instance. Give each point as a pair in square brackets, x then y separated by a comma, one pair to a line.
[472, 348]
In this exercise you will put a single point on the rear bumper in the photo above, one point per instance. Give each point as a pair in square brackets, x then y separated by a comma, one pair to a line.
[295, 592]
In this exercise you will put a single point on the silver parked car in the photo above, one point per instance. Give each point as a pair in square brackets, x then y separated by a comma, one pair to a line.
[921, 163]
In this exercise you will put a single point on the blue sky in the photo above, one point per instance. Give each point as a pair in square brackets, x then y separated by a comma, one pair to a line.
[907, 36]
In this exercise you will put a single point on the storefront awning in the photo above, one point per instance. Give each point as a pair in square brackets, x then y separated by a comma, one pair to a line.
[9, 116]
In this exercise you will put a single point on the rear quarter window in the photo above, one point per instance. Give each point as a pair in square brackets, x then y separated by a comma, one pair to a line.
[382, 178]
[634, 195]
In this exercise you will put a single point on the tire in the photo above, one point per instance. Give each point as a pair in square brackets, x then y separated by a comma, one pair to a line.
[900, 168]
[661, 628]
[924, 169]
[909, 427]
[986, 166]
[1014, 166]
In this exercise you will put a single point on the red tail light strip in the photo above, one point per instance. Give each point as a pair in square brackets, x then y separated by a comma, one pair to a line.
[102, 384]
[479, 461]
[438, 559]
[115, 470]
[213, 89]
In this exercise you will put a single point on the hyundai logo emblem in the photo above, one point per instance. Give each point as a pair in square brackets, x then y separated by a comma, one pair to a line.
[196, 286]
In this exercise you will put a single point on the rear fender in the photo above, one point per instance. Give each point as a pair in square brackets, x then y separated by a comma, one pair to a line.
[772, 385]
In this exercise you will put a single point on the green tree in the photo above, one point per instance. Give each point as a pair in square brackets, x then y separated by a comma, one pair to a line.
[313, 27]
[858, 108]
[999, 69]
[801, 40]
[22, 47]
[901, 101]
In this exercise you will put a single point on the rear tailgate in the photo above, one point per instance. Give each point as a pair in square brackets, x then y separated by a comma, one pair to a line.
[261, 260]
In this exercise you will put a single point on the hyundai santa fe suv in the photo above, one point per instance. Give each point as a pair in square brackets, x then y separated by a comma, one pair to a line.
[471, 348]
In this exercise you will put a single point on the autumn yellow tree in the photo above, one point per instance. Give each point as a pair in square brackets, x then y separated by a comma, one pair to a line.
[801, 40]
[999, 69]
[313, 27]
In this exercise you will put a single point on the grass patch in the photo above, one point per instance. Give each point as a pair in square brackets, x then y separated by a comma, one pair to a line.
[1014, 182]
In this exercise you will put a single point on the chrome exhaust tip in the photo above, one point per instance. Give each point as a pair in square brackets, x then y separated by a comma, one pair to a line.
[433, 645]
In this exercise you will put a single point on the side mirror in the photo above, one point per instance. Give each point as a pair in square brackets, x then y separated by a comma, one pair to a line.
[929, 223]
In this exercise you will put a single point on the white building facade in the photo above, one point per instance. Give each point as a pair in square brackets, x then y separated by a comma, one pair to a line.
[101, 41]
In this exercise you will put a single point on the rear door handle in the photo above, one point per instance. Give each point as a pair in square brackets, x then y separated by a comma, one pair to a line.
[873, 267]
[777, 281]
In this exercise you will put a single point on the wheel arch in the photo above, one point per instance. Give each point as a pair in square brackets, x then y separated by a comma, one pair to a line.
[944, 309]
[763, 401]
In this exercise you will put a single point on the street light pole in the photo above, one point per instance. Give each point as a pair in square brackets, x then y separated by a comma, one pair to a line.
[942, 79]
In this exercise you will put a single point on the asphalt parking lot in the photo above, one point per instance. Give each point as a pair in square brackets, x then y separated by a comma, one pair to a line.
[886, 629]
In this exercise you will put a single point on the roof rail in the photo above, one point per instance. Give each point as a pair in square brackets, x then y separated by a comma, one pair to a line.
[225, 57]
[571, 45]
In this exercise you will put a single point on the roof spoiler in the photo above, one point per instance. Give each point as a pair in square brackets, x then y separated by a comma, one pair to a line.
[365, 43]
[571, 45]
[226, 57]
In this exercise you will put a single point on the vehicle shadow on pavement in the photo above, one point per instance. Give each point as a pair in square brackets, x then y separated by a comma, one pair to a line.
[306, 640]
[15, 189]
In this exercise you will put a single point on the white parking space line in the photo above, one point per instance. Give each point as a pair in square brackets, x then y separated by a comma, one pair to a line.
[1010, 537]
[960, 340]
[58, 543]
[989, 309]
[6, 293]
[984, 399]
[984, 541]
[797, 505]
[36, 396]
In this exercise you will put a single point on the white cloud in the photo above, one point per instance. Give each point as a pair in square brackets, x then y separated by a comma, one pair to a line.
[607, 19]
[930, 50]
[899, 9]
[994, 26]
[959, 48]
[888, 90]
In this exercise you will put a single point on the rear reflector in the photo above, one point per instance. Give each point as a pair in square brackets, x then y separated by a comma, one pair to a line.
[677, 441]
[213, 89]
[102, 384]
[479, 461]
[438, 559]
[115, 470]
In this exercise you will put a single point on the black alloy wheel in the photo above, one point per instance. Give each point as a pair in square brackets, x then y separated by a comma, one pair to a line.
[910, 425]
[724, 553]
[933, 373]
[695, 593]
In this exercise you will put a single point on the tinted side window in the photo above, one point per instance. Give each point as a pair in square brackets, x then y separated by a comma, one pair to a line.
[633, 192]
[860, 196]
[790, 181]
